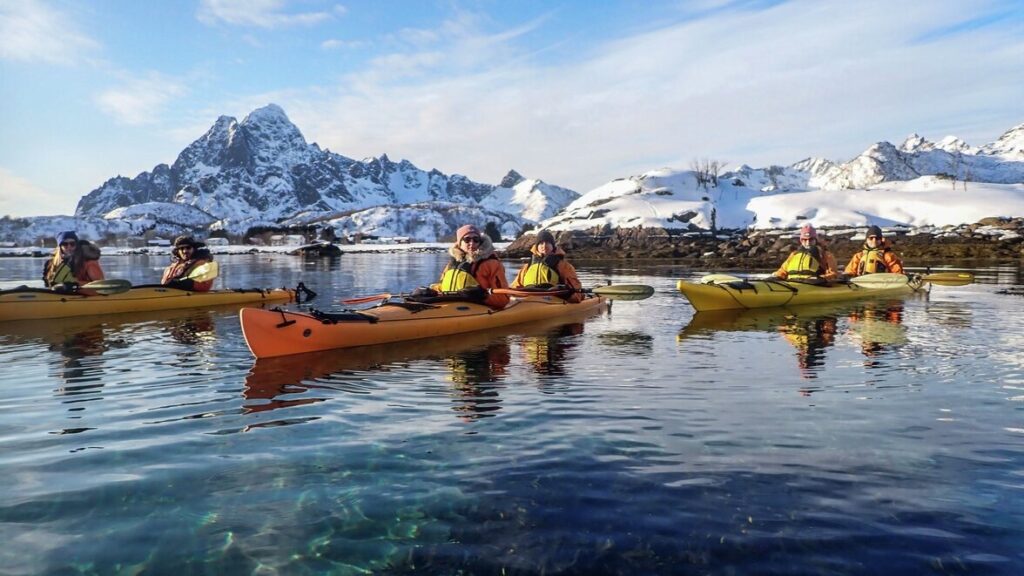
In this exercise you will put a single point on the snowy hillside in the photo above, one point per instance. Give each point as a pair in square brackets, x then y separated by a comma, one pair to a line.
[918, 183]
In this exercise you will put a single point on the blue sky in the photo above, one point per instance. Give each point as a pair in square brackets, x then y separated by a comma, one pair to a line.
[576, 93]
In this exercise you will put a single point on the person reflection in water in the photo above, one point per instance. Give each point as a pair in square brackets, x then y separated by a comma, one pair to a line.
[879, 326]
[547, 353]
[474, 374]
[810, 337]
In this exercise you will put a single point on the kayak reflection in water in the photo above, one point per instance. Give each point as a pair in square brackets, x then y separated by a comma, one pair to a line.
[810, 336]
[548, 268]
[472, 270]
[547, 353]
[879, 326]
[474, 374]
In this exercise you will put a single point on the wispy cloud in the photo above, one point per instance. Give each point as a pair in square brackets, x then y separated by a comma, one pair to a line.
[139, 101]
[260, 13]
[335, 44]
[34, 31]
[759, 83]
[19, 197]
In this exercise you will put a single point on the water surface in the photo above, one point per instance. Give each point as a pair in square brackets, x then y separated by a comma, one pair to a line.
[880, 437]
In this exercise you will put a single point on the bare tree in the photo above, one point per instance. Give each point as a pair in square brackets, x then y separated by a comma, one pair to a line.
[707, 171]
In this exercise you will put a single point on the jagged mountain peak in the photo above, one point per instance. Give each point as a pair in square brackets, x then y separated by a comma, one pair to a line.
[1010, 145]
[915, 143]
[511, 179]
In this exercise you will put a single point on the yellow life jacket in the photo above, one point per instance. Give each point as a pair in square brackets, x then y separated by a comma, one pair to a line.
[872, 260]
[458, 275]
[59, 274]
[803, 263]
[543, 270]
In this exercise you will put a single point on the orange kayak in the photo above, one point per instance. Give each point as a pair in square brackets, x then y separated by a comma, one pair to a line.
[277, 332]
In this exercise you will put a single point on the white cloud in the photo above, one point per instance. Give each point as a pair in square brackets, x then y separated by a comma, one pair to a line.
[32, 31]
[140, 100]
[19, 197]
[259, 13]
[335, 44]
[766, 86]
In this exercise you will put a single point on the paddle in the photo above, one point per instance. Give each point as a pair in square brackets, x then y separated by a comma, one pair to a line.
[611, 291]
[949, 278]
[106, 287]
[204, 272]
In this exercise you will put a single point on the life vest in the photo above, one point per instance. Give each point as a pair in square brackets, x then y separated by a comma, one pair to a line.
[803, 263]
[543, 270]
[59, 274]
[872, 260]
[459, 275]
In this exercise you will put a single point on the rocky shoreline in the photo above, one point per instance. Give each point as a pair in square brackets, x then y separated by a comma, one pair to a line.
[992, 239]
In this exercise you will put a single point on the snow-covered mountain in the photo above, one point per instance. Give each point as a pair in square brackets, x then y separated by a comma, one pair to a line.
[261, 171]
[918, 183]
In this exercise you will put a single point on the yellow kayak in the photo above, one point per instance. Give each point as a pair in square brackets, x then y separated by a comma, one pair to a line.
[721, 292]
[276, 332]
[39, 304]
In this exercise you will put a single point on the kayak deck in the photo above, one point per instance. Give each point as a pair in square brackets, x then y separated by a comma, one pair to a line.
[276, 332]
[40, 304]
[769, 293]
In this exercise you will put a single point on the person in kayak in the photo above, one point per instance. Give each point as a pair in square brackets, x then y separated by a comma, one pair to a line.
[548, 268]
[186, 255]
[473, 269]
[74, 262]
[875, 256]
[812, 260]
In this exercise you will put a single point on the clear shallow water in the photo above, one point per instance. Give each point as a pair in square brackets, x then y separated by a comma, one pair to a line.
[874, 438]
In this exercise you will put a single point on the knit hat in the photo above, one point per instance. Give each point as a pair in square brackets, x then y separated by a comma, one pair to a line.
[185, 241]
[808, 231]
[874, 231]
[544, 236]
[465, 230]
[66, 236]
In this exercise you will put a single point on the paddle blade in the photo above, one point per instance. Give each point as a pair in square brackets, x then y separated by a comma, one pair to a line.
[949, 278]
[880, 280]
[365, 299]
[625, 291]
[204, 272]
[112, 286]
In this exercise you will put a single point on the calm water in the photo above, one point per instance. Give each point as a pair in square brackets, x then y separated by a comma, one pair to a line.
[881, 438]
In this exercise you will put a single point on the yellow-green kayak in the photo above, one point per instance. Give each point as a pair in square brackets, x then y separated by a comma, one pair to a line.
[39, 304]
[721, 292]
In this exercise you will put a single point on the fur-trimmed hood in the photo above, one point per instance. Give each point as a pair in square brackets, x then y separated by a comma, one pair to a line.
[485, 251]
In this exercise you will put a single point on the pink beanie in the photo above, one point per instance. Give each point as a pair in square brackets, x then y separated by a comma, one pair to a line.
[467, 229]
[808, 231]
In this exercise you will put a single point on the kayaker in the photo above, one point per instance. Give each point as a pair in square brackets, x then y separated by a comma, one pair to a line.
[74, 262]
[548, 268]
[812, 260]
[186, 255]
[875, 256]
[474, 268]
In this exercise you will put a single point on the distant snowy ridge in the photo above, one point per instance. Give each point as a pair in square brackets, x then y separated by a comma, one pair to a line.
[920, 183]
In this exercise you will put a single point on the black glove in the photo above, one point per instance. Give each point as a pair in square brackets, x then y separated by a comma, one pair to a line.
[186, 284]
[475, 294]
[424, 291]
[66, 288]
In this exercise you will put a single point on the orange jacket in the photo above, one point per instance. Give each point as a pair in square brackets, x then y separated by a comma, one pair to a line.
[881, 257]
[566, 274]
[179, 269]
[488, 271]
[828, 270]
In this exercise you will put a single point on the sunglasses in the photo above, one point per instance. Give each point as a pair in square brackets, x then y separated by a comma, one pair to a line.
[469, 239]
[72, 243]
